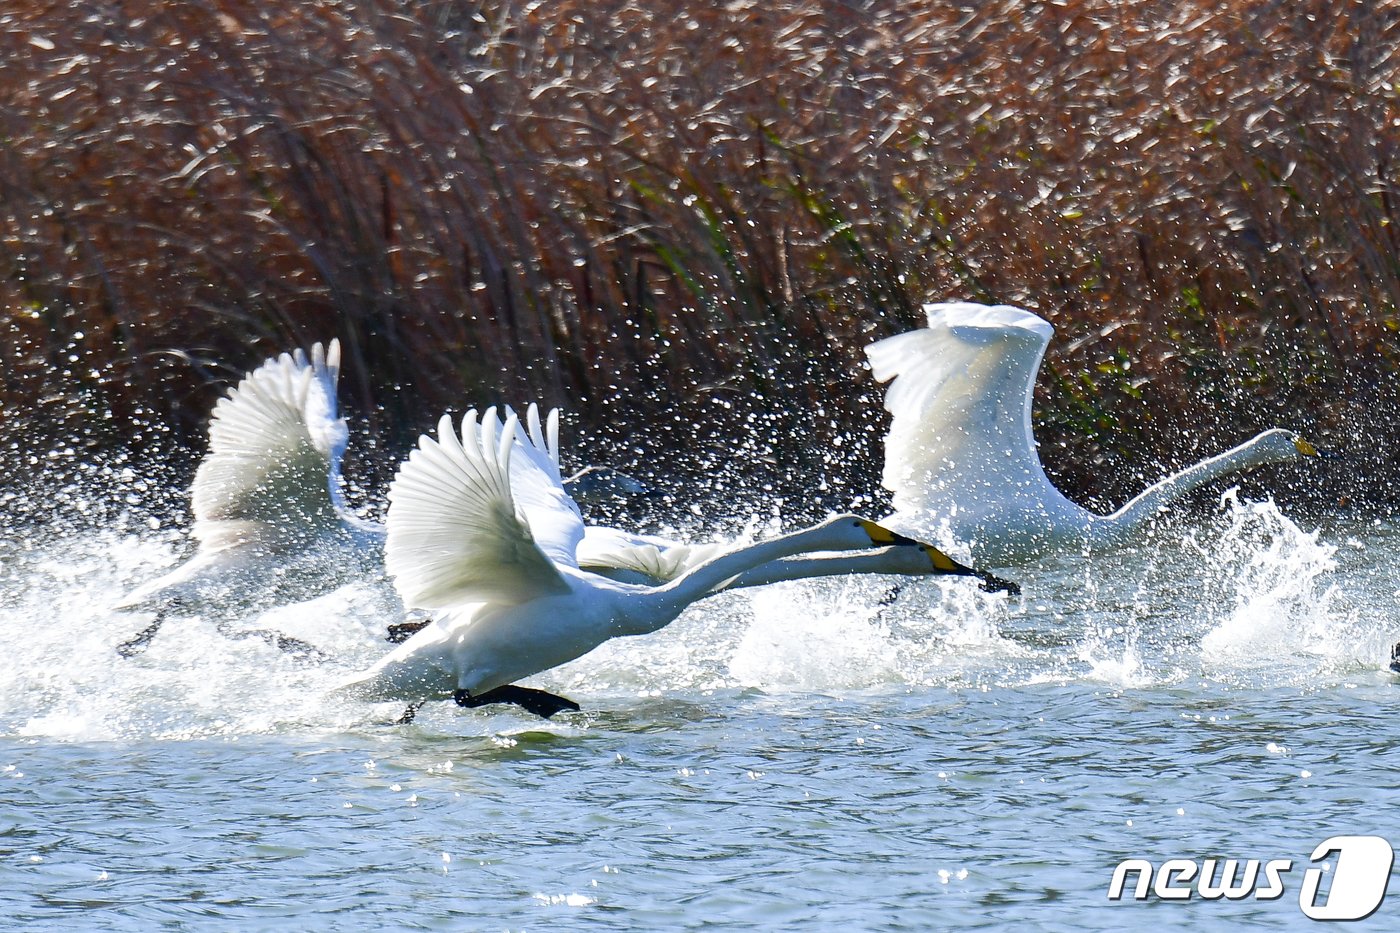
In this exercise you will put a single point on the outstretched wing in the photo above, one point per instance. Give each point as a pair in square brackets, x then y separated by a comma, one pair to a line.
[460, 530]
[605, 550]
[960, 393]
[275, 443]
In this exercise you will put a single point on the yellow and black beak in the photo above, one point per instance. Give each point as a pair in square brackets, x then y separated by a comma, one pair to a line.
[1308, 449]
[942, 563]
[879, 534]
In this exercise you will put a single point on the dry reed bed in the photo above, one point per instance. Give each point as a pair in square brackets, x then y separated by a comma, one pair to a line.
[683, 221]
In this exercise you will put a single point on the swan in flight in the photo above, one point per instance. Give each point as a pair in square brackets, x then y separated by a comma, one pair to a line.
[271, 524]
[960, 453]
[483, 534]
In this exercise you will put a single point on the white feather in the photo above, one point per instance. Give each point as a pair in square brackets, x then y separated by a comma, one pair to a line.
[463, 519]
[275, 441]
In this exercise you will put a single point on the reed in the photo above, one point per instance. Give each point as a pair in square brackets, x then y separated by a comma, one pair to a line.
[683, 221]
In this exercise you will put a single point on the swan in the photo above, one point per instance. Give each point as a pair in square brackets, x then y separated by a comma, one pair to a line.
[482, 533]
[960, 455]
[271, 524]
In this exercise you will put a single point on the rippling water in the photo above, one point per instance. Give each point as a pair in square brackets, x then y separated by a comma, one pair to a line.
[853, 754]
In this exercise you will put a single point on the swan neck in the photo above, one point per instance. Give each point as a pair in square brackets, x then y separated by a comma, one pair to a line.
[664, 603]
[1164, 492]
[904, 561]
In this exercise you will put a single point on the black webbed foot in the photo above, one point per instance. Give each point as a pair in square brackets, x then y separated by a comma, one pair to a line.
[301, 650]
[1395, 658]
[539, 702]
[401, 632]
[142, 640]
[890, 595]
[409, 714]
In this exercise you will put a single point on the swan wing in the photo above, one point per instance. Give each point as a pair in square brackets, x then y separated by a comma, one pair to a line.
[553, 516]
[275, 442]
[960, 396]
[457, 532]
[661, 560]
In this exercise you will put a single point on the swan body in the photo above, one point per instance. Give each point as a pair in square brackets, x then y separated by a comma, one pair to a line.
[483, 535]
[960, 456]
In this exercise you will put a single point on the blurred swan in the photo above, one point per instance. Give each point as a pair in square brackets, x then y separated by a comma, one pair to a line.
[269, 518]
[483, 534]
[271, 524]
[960, 455]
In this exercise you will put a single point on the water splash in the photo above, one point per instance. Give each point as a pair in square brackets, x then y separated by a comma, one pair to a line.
[1272, 597]
[1118, 667]
[805, 636]
[867, 632]
[60, 675]
[1256, 599]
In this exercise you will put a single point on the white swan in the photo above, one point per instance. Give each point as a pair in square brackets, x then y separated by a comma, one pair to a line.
[269, 518]
[483, 534]
[960, 455]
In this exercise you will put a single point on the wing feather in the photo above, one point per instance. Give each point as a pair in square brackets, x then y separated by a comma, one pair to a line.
[960, 396]
[539, 491]
[604, 550]
[275, 443]
[456, 533]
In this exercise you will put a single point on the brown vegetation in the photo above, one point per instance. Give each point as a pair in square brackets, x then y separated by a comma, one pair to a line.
[683, 221]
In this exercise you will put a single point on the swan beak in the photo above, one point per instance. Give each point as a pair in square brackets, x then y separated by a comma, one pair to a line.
[1308, 449]
[882, 536]
[990, 583]
[942, 563]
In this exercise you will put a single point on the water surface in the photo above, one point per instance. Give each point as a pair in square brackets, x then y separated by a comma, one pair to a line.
[849, 754]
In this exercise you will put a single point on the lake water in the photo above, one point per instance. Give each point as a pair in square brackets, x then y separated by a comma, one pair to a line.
[834, 754]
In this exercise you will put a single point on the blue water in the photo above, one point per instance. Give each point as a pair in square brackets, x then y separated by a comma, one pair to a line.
[801, 756]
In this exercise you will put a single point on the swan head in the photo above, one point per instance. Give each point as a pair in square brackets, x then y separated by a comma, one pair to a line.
[1281, 446]
[852, 532]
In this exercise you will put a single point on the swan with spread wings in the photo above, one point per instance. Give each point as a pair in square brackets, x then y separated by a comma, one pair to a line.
[269, 518]
[960, 456]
